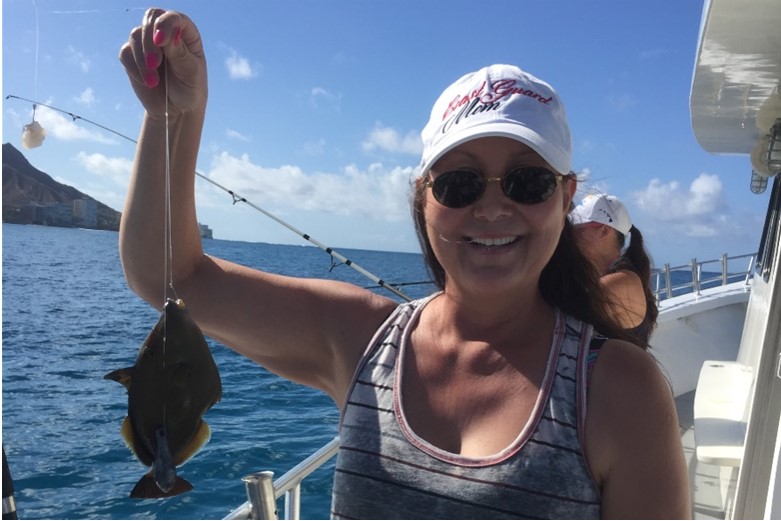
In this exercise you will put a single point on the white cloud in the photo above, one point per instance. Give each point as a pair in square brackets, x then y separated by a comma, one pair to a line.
[377, 192]
[239, 67]
[706, 193]
[66, 128]
[236, 135]
[87, 97]
[670, 201]
[78, 58]
[586, 145]
[315, 148]
[678, 220]
[696, 211]
[116, 169]
[390, 140]
[319, 97]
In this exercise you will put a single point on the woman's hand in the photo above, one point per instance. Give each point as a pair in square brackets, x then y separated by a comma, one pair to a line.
[166, 40]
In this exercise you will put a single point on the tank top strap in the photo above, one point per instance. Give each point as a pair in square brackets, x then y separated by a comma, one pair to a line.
[597, 341]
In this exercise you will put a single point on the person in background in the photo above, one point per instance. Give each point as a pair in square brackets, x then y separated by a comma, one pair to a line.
[473, 402]
[602, 224]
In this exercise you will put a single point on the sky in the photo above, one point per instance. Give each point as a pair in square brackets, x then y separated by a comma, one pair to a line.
[316, 107]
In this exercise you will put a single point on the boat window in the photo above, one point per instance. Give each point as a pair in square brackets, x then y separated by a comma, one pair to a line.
[770, 232]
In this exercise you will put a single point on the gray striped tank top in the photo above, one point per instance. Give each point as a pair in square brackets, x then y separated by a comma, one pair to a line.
[385, 471]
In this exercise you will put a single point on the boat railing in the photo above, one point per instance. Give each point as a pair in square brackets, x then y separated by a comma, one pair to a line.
[262, 496]
[700, 275]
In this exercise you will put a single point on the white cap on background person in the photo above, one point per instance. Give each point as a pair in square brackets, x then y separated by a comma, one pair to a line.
[603, 209]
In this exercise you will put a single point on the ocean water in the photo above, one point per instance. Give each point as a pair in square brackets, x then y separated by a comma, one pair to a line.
[69, 318]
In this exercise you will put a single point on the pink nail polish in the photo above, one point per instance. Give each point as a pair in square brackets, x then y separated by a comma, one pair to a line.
[152, 61]
[151, 79]
[177, 36]
[158, 37]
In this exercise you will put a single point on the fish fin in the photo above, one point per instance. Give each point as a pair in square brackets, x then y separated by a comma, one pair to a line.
[199, 439]
[147, 489]
[130, 439]
[123, 376]
[127, 434]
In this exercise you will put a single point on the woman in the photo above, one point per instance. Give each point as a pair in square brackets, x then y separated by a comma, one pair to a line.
[472, 402]
[601, 226]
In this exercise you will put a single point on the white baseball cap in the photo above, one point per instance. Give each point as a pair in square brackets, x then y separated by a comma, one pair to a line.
[499, 100]
[603, 209]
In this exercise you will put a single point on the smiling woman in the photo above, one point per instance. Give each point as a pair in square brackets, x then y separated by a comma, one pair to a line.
[480, 388]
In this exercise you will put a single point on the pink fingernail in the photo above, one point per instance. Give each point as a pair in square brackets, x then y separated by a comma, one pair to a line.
[158, 37]
[151, 79]
[177, 36]
[152, 60]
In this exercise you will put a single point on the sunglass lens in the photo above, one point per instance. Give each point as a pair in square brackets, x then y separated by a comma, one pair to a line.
[529, 185]
[458, 188]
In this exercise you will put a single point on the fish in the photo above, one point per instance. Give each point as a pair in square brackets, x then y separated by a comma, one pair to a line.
[171, 386]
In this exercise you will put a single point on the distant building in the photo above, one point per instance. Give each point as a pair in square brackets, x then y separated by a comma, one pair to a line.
[28, 213]
[85, 213]
[54, 214]
[206, 232]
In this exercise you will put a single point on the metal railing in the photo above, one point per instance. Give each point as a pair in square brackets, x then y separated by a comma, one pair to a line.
[696, 280]
[262, 498]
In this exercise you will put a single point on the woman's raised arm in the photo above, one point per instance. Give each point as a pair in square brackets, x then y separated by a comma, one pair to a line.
[307, 330]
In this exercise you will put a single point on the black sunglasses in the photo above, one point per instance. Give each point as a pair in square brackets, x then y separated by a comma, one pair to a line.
[524, 185]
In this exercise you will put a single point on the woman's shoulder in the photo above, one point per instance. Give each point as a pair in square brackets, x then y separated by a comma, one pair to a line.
[622, 363]
[624, 277]
[632, 434]
[627, 386]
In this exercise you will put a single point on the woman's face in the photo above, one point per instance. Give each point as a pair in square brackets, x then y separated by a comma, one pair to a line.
[494, 244]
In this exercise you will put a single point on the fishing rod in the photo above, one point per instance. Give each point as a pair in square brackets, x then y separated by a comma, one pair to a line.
[240, 199]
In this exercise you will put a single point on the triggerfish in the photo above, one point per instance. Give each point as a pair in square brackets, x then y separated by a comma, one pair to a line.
[171, 386]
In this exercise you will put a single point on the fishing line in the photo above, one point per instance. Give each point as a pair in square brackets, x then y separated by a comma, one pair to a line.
[98, 11]
[35, 71]
[168, 249]
[240, 199]
[168, 262]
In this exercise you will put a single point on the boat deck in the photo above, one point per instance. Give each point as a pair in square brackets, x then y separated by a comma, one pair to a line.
[708, 484]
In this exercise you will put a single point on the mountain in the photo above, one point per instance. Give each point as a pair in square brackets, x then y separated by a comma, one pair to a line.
[25, 186]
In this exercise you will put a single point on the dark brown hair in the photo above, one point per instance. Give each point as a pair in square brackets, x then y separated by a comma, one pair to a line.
[637, 259]
[569, 281]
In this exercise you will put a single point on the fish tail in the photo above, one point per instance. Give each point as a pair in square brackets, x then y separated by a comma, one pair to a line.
[146, 488]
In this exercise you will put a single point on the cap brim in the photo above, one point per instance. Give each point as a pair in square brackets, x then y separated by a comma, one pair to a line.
[556, 159]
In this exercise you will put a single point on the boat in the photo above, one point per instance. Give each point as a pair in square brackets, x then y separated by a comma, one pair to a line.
[718, 339]
[735, 439]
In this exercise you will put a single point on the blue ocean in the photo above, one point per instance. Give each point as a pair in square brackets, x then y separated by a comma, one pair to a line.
[69, 318]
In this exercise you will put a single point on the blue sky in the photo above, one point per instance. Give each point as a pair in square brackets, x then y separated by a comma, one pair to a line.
[315, 109]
